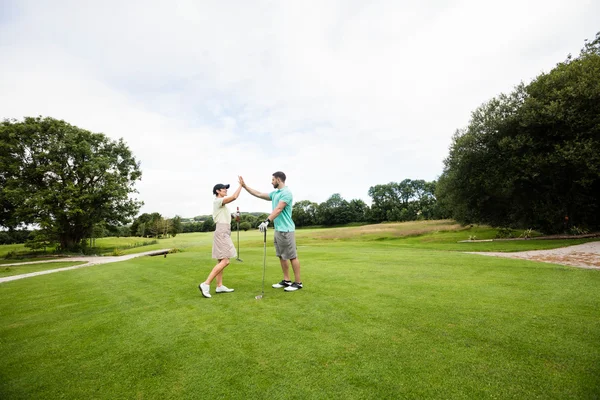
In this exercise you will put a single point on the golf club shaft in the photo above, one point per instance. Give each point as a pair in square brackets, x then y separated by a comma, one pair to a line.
[264, 262]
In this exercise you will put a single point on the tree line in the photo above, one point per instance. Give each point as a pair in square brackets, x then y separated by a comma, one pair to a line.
[408, 200]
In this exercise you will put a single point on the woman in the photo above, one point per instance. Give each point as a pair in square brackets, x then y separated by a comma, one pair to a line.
[223, 248]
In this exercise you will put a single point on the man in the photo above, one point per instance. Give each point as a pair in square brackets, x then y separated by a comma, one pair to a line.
[285, 239]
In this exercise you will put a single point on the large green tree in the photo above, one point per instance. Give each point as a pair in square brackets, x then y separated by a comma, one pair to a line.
[64, 179]
[531, 159]
[403, 201]
[334, 211]
[305, 213]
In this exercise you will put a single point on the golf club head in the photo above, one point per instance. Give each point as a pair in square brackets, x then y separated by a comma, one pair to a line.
[259, 297]
[239, 259]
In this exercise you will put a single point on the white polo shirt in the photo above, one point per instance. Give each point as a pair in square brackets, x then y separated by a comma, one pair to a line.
[221, 213]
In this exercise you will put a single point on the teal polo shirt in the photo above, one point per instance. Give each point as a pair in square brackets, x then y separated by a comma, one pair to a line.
[283, 222]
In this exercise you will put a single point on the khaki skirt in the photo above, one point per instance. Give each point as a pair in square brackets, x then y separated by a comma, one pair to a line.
[222, 244]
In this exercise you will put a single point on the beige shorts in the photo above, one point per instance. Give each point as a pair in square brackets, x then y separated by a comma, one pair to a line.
[222, 244]
[285, 245]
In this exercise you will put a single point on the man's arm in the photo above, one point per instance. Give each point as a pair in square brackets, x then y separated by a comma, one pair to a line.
[277, 211]
[280, 206]
[253, 192]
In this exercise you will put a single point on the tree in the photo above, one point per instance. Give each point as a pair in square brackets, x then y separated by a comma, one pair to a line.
[404, 201]
[358, 210]
[334, 211]
[192, 227]
[176, 226]
[531, 159]
[209, 225]
[149, 225]
[305, 213]
[384, 200]
[138, 227]
[64, 179]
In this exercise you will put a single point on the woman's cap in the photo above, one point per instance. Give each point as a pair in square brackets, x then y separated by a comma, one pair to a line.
[219, 186]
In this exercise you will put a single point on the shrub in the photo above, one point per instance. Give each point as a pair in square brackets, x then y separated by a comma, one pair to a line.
[575, 230]
[527, 234]
[504, 233]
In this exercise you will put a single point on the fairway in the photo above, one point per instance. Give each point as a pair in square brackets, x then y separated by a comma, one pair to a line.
[11, 270]
[379, 317]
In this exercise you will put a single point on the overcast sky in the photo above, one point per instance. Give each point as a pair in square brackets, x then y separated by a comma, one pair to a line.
[340, 95]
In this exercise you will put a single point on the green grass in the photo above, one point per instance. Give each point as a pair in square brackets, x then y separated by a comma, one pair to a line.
[440, 235]
[432, 235]
[10, 270]
[105, 246]
[397, 317]
[30, 258]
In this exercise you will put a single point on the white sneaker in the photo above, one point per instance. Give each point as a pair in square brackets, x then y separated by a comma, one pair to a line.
[293, 287]
[282, 284]
[223, 289]
[205, 289]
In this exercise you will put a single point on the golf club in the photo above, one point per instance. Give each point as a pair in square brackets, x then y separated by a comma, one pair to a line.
[237, 219]
[260, 296]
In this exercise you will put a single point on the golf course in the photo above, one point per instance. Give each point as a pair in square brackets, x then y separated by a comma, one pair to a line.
[388, 311]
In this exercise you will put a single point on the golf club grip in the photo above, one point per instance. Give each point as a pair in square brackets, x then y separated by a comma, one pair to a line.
[265, 236]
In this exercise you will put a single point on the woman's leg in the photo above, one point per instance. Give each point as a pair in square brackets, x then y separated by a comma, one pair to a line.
[217, 272]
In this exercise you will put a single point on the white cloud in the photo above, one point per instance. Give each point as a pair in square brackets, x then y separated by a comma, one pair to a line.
[339, 95]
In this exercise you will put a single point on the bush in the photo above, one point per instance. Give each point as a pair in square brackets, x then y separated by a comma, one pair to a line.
[527, 234]
[504, 233]
[578, 231]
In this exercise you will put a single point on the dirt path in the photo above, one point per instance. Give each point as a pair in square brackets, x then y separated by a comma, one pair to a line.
[91, 260]
[585, 255]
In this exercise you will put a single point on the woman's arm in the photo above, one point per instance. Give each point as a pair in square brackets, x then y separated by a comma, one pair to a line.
[233, 197]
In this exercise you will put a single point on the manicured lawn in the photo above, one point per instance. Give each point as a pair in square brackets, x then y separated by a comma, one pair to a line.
[10, 270]
[389, 318]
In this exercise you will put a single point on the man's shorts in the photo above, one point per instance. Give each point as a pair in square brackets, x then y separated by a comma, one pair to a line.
[285, 245]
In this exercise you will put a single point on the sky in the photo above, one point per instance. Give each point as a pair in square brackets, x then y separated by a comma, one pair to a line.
[339, 95]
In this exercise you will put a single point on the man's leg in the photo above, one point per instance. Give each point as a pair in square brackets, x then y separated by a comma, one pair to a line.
[279, 240]
[297, 284]
[285, 268]
[296, 267]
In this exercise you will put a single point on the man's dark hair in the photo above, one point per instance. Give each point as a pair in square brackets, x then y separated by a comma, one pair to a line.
[279, 175]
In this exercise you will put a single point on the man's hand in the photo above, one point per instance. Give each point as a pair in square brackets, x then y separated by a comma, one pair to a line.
[241, 182]
[263, 226]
